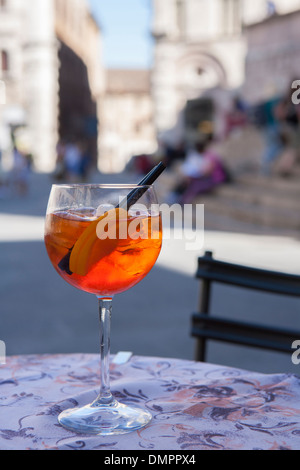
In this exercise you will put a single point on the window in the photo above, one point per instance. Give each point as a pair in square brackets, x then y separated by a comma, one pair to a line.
[231, 16]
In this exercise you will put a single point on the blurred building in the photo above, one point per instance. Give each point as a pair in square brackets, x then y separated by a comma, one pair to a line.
[201, 45]
[126, 119]
[273, 58]
[51, 66]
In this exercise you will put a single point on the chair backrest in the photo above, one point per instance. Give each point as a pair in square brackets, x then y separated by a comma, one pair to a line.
[205, 326]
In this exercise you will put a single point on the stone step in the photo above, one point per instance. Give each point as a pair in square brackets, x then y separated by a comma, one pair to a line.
[225, 223]
[254, 200]
[260, 196]
[283, 186]
[256, 214]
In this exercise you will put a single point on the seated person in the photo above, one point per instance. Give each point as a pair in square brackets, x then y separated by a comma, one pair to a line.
[201, 172]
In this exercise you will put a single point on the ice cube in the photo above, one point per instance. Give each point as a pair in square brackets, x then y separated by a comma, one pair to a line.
[83, 213]
[103, 208]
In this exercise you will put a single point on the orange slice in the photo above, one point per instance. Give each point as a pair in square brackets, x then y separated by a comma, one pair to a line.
[98, 240]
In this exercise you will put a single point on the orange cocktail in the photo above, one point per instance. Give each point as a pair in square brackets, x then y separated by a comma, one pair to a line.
[104, 239]
[114, 262]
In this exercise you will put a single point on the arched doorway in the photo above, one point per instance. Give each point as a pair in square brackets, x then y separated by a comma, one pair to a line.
[201, 77]
[199, 72]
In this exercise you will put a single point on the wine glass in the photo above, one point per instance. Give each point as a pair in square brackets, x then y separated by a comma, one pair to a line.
[103, 239]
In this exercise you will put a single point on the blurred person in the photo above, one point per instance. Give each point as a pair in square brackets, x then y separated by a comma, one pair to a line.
[267, 121]
[143, 163]
[22, 163]
[60, 170]
[237, 117]
[1, 169]
[3, 186]
[202, 171]
[288, 115]
[272, 10]
[175, 153]
[72, 161]
[85, 161]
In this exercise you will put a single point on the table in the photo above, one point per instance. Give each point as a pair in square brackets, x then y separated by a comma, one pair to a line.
[195, 406]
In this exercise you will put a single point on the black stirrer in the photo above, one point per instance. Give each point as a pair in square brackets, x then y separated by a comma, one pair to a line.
[127, 202]
[137, 193]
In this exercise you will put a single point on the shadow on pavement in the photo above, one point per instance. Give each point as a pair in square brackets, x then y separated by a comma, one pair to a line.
[40, 313]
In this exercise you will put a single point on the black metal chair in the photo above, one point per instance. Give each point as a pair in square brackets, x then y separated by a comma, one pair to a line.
[206, 326]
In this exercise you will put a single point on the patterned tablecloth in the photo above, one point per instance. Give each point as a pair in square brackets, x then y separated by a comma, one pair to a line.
[195, 406]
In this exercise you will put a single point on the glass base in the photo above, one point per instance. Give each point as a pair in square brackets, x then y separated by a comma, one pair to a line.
[104, 419]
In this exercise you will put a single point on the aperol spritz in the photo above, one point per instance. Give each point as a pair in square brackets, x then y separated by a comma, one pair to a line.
[103, 246]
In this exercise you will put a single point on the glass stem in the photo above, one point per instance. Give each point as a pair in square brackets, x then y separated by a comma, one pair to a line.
[105, 310]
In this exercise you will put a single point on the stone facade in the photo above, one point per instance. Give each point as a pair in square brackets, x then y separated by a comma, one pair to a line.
[201, 45]
[126, 119]
[273, 58]
[50, 57]
[31, 36]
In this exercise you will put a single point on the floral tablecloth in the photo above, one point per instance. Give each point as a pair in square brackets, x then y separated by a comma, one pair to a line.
[195, 406]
